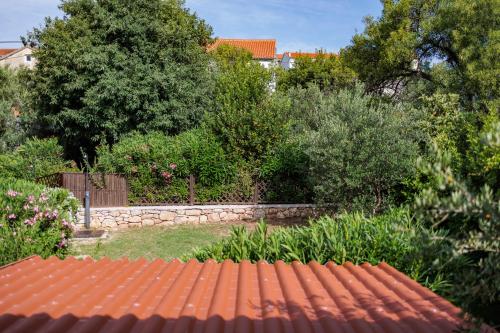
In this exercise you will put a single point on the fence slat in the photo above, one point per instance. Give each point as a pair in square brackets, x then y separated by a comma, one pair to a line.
[112, 193]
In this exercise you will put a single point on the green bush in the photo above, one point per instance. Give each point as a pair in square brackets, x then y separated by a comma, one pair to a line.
[157, 166]
[34, 220]
[359, 148]
[327, 71]
[471, 217]
[246, 118]
[35, 158]
[393, 237]
[16, 117]
[285, 171]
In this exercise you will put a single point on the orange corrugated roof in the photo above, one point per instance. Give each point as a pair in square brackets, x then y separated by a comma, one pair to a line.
[260, 48]
[6, 51]
[139, 296]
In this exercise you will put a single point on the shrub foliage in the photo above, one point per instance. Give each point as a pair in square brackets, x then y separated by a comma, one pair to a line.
[393, 237]
[246, 118]
[109, 67]
[472, 219]
[34, 220]
[359, 149]
[157, 166]
[35, 158]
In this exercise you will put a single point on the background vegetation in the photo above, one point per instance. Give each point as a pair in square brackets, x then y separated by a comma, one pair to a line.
[34, 220]
[406, 115]
[393, 237]
[109, 67]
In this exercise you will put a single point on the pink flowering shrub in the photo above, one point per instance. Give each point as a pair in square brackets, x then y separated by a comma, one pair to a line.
[158, 166]
[34, 220]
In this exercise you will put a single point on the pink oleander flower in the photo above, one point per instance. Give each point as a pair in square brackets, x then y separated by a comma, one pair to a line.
[166, 174]
[65, 223]
[30, 222]
[43, 197]
[62, 243]
[12, 193]
[11, 216]
[173, 166]
[36, 209]
[26, 207]
[31, 198]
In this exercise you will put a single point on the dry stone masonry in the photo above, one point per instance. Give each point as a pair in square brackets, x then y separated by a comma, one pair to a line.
[126, 217]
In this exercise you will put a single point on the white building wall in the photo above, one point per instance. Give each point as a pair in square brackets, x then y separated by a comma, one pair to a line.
[23, 57]
[266, 63]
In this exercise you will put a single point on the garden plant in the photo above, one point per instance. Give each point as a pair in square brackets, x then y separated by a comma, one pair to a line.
[399, 132]
[34, 220]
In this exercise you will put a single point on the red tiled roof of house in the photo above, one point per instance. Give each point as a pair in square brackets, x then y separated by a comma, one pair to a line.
[4, 52]
[139, 296]
[260, 48]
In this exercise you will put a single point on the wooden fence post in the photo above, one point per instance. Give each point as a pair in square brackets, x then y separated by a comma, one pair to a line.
[191, 189]
[256, 193]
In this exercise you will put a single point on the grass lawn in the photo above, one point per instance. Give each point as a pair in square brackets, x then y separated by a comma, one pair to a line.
[152, 242]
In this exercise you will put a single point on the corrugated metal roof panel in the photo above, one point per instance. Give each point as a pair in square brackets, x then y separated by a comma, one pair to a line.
[55, 295]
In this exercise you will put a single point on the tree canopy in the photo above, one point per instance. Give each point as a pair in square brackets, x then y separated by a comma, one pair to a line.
[411, 35]
[108, 67]
[15, 113]
[328, 71]
[246, 117]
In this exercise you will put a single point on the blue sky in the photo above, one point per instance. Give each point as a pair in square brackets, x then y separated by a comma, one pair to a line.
[297, 25]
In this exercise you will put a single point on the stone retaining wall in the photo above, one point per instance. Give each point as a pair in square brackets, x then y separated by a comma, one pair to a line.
[125, 217]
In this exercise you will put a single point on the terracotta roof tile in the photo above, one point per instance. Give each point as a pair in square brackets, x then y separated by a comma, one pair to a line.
[140, 296]
[260, 48]
[4, 52]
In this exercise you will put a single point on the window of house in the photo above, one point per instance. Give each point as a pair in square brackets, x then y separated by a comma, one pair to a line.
[28, 58]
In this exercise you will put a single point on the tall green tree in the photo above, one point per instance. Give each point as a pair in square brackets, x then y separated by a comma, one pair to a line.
[15, 113]
[410, 35]
[111, 66]
[247, 117]
[327, 71]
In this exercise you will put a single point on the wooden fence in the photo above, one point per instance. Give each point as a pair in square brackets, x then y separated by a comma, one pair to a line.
[111, 190]
[108, 190]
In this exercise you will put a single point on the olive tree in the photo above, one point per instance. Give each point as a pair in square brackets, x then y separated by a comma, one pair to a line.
[359, 149]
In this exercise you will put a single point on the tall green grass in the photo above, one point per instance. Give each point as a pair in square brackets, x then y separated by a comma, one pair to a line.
[393, 237]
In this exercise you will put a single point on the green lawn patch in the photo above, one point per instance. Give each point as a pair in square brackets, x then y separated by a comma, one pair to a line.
[152, 242]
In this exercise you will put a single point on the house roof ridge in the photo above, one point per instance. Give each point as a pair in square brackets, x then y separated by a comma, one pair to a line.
[13, 51]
